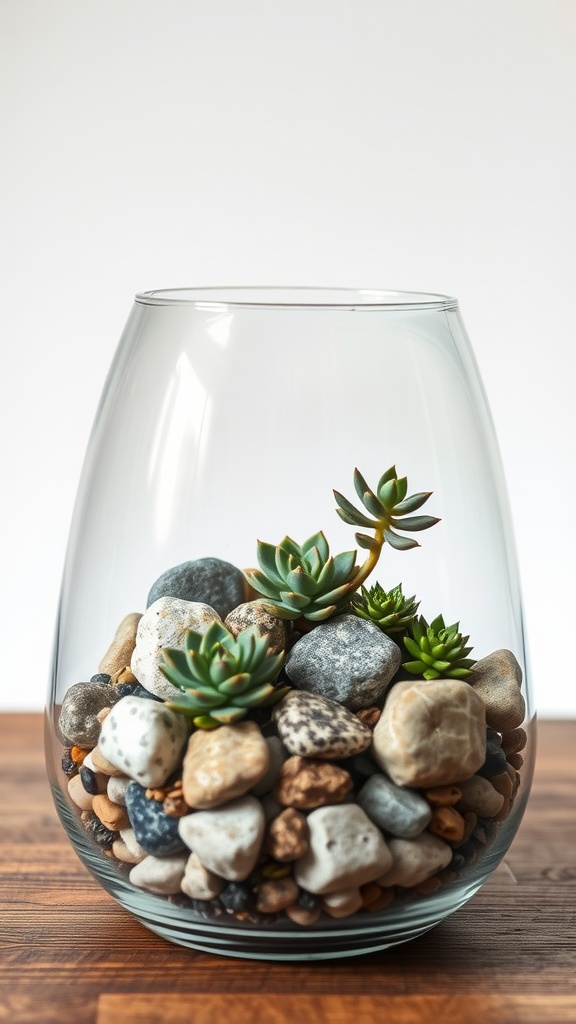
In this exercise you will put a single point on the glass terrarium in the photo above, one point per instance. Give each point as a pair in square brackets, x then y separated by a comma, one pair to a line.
[289, 715]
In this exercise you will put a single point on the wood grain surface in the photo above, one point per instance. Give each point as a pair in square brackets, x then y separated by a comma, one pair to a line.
[70, 954]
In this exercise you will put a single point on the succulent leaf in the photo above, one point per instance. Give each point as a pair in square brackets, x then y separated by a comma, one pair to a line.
[391, 611]
[438, 650]
[398, 542]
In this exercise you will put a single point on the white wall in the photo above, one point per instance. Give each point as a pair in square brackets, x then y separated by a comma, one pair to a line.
[374, 143]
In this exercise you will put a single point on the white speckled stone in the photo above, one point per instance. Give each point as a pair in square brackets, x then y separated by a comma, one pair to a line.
[199, 883]
[314, 726]
[227, 840]
[163, 625]
[161, 875]
[415, 860]
[144, 739]
[346, 850]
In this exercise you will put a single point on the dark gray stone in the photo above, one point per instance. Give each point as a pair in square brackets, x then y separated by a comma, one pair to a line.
[206, 580]
[155, 831]
[81, 706]
[395, 809]
[346, 659]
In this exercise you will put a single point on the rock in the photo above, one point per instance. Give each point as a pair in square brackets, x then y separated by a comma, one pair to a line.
[342, 903]
[164, 624]
[128, 837]
[443, 796]
[111, 815]
[431, 733]
[277, 755]
[78, 794]
[347, 659]
[287, 838]
[155, 831]
[301, 915]
[307, 783]
[120, 651]
[414, 860]
[270, 807]
[221, 764]
[480, 796]
[208, 581]
[514, 741]
[161, 875]
[253, 613]
[275, 894]
[199, 883]
[395, 809]
[226, 839]
[346, 850]
[494, 758]
[83, 702]
[123, 853]
[143, 739]
[116, 789]
[99, 763]
[497, 680]
[313, 726]
[448, 824]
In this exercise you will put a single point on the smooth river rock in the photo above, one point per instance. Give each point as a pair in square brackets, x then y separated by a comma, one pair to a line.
[497, 680]
[143, 739]
[164, 624]
[155, 831]
[227, 840]
[210, 581]
[345, 851]
[122, 647]
[395, 809]
[314, 726]
[415, 860]
[222, 764]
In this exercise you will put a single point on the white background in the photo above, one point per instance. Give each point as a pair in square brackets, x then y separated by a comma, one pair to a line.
[409, 144]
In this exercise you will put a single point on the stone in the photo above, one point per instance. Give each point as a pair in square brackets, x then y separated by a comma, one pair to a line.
[222, 764]
[347, 659]
[143, 739]
[78, 794]
[448, 824]
[346, 850]
[155, 831]
[164, 624]
[227, 839]
[395, 809]
[120, 651]
[275, 894]
[116, 789]
[307, 783]
[415, 860]
[199, 883]
[160, 875]
[313, 726]
[343, 902]
[287, 838]
[253, 613]
[514, 741]
[111, 815]
[277, 755]
[497, 680]
[301, 915]
[123, 853]
[208, 581]
[79, 723]
[128, 837]
[99, 763]
[431, 733]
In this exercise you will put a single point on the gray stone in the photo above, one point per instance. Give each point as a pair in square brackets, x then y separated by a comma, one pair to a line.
[144, 739]
[83, 702]
[199, 883]
[206, 580]
[314, 726]
[165, 624]
[160, 875]
[227, 840]
[277, 754]
[497, 680]
[155, 831]
[346, 850]
[395, 809]
[415, 860]
[346, 659]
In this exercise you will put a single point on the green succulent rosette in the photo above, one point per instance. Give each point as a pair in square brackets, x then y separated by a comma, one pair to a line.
[439, 651]
[390, 610]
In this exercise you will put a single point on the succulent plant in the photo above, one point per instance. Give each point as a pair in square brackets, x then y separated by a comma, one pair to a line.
[389, 610]
[221, 676]
[304, 581]
[439, 651]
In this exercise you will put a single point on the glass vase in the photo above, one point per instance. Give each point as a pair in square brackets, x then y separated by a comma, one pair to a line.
[231, 420]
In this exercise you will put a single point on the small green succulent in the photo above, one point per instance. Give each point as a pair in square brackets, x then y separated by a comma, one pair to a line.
[439, 651]
[389, 610]
[305, 581]
[221, 676]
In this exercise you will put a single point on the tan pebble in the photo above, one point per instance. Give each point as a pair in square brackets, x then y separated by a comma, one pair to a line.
[308, 783]
[470, 821]
[253, 613]
[514, 741]
[480, 796]
[222, 764]
[101, 764]
[502, 784]
[497, 679]
[123, 675]
[111, 815]
[504, 811]
[124, 854]
[442, 796]
[198, 882]
[516, 760]
[384, 900]
[288, 836]
[78, 754]
[447, 876]
[275, 895]
[175, 806]
[342, 902]
[448, 824]
[370, 892]
[78, 794]
[369, 716]
[120, 651]
[429, 885]
[103, 714]
[302, 916]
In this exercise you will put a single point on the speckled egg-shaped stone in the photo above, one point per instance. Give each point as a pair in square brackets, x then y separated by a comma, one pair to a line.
[313, 726]
[144, 739]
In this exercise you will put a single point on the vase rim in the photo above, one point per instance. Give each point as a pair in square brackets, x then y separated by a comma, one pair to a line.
[292, 297]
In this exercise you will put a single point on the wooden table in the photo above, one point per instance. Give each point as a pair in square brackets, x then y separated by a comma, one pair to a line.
[72, 956]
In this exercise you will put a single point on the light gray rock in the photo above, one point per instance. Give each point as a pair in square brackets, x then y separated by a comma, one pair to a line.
[164, 624]
[227, 840]
[346, 659]
[277, 755]
[395, 809]
[314, 726]
[346, 850]
[144, 739]
[128, 837]
[116, 789]
[497, 680]
[83, 702]
[415, 860]
[206, 580]
[199, 883]
[161, 875]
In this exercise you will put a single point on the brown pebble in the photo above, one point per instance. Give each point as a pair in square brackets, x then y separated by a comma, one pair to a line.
[369, 716]
[443, 796]
[308, 783]
[385, 898]
[102, 764]
[470, 821]
[276, 894]
[514, 741]
[78, 754]
[123, 675]
[288, 836]
[302, 916]
[428, 886]
[504, 810]
[78, 794]
[448, 824]
[502, 784]
[175, 806]
[111, 815]
[516, 760]
[370, 893]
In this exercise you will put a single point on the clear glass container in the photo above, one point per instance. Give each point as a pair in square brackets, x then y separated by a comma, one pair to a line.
[230, 415]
